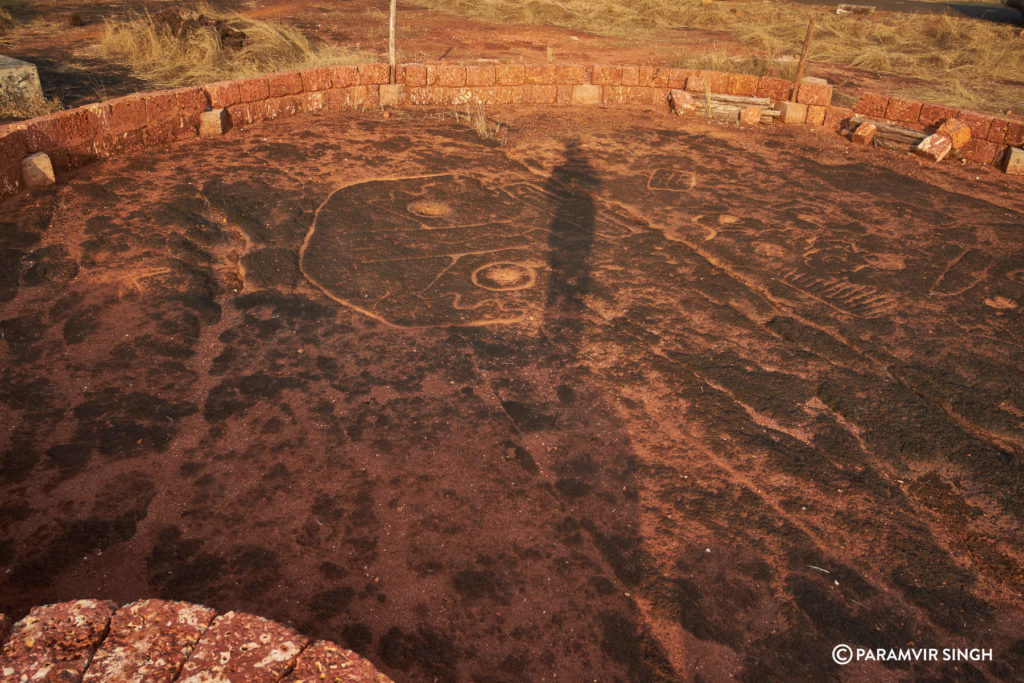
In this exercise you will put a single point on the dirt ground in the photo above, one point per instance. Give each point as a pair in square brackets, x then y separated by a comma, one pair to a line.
[71, 70]
[628, 398]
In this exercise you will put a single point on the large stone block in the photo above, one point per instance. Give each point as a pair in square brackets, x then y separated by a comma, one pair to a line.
[509, 74]
[836, 117]
[325, 661]
[478, 75]
[680, 101]
[1013, 161]
[774, 88]
[149, 640]
[607, 75]
[652, 77]
[393, 95]
[346, 75]
[283, 84]
[792, 112]
[815, 91]
[254, 89]
[242, 648]
[934, 114]
[586, 94]
[982, 151]
[1014, 133]
[979, 123]
[316, 80]
[997, 131]
[903, 111]
[374, 74]
[224, 94]
[540, 94]
[540, 74]
[815, 115]
[19, 80]
[750, 116]
[677, 78]
[865, 133]
[37, 170]
[872, 105]
[191, 101]
[213, 123]
[958, 132]
[743, 85]
[570, 74]
[934, 147]
[56, 642]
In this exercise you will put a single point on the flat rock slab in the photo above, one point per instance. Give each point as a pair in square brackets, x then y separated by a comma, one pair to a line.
[440, 250]
[325, 661]
[748, 358]
[55, 642]
[242, 648]
[19, 80]
[149, 641]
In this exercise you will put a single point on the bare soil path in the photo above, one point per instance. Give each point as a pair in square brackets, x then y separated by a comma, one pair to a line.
[626, 399]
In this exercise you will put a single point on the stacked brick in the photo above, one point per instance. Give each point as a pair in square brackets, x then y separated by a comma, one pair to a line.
[79, 136]
[76, 137]
[990, 136]
[159, 641]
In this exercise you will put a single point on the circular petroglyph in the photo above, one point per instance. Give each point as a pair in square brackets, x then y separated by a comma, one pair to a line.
[504, 277]
[1016, 275]
[428, 208]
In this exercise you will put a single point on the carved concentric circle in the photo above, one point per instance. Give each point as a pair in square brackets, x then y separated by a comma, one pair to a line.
[504, 277]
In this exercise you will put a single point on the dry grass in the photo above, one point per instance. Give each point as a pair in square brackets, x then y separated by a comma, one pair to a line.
[157, 54]
[476, 118]
[941, 52]
[6, 20]
[16, 109]
[718, 60]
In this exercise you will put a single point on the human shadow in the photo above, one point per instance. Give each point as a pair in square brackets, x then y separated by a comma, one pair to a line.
[579, 579]
[570, 247]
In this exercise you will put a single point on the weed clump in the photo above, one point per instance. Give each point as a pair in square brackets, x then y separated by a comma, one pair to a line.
[6, 21]
[19, 108]
[200, 44]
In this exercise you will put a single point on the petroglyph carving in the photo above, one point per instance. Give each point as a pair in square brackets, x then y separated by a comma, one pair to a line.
[440, 250]
[672, 181]
[862, 301]
[961, 274]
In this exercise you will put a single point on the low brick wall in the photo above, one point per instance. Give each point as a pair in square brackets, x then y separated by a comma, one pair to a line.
[77, 137]
[990, 135]
[161, 641]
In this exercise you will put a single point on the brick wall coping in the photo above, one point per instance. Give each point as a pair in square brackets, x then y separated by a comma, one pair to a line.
[161, 641]
[76, 137]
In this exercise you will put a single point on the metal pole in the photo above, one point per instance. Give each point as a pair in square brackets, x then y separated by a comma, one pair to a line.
[391, 42]
[803, 58]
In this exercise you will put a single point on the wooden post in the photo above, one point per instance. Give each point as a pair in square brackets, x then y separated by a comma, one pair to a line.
[803, 58]
[391, 42]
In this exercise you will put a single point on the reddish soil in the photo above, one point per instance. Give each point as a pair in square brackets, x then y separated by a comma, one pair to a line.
[747, 396]
[67, 70]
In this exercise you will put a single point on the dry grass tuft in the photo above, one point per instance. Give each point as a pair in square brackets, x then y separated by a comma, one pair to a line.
[165, 57]
[719, 60]
[941, 51]
[6, 21]
[476, 118]
[16, 109]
